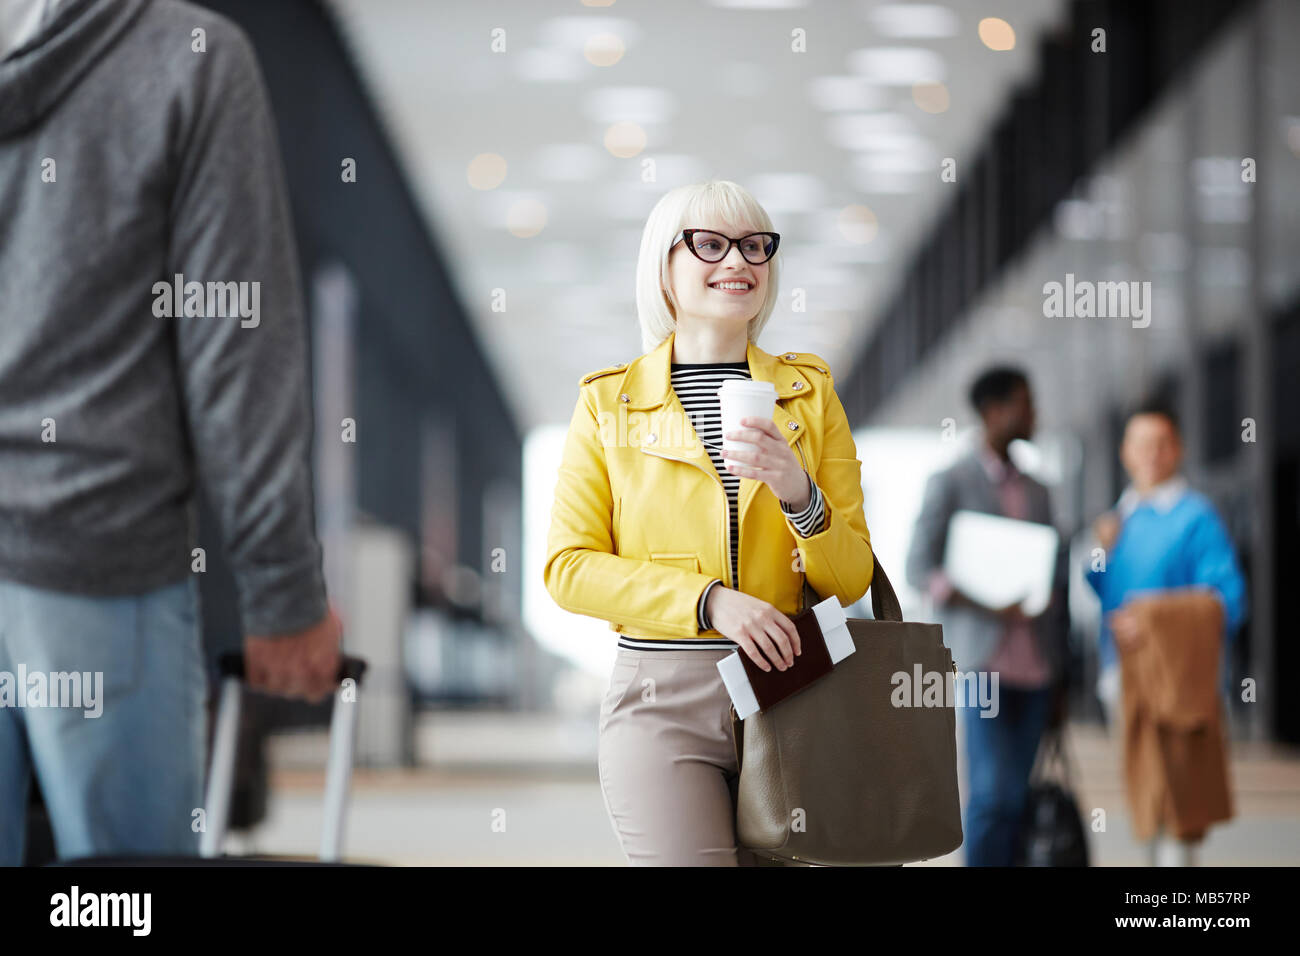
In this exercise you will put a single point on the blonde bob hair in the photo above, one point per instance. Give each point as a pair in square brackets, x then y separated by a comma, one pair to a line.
[699, 205]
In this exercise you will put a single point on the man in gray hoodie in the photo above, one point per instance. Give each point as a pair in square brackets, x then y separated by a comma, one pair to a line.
[151, 338]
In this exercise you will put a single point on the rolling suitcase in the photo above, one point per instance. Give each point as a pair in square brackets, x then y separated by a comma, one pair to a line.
[338, 770]
[221, 777]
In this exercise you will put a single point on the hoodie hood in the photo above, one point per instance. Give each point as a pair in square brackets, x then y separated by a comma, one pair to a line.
[36, 76]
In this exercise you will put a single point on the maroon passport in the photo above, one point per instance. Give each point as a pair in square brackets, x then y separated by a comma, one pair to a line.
[772, 687]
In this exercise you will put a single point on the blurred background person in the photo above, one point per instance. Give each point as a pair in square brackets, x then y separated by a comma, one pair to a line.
[1027, 654]
[1160, 535]
[114, 407]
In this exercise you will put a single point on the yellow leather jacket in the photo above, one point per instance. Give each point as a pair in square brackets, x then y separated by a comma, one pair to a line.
[639, 526]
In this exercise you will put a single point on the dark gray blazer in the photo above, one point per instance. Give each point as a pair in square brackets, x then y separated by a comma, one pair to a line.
[973, 635]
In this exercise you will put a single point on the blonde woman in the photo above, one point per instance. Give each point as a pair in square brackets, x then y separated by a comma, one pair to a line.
[690, 551]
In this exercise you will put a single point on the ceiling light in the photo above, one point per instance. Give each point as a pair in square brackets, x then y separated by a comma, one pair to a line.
[931, 97]
[898, 65]
[913, 21]
[857, 224]
[486, 171]
[873, 132]
[630, 104]
[788, 192]
[603, 49]
[625, 140]
[997, 34]
[526, 218]
[834, 93]
[572, 33]
[759, 4]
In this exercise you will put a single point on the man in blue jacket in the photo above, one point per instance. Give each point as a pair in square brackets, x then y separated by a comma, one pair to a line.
[1161, 534]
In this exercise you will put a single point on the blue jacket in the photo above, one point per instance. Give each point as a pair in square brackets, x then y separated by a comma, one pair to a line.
[1182, 545]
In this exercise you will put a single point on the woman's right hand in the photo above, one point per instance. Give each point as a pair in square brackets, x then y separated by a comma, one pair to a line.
[757, 627]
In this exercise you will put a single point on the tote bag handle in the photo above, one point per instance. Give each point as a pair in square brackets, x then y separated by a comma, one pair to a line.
[884, 602]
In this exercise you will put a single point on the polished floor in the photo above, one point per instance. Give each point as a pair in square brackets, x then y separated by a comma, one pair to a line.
[521, 790]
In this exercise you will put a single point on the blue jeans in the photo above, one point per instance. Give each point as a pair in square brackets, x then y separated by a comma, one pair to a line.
[1000, 754]
[120, 760]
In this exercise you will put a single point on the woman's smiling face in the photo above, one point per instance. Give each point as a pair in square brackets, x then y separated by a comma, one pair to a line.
[730, 291]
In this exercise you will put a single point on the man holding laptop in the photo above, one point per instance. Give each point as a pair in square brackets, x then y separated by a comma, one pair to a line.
[1028, 654]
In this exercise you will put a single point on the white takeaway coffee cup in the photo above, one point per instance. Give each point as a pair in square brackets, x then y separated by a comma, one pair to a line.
[744, 398]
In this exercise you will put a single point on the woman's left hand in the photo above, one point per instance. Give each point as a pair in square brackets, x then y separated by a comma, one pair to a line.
[772, 461]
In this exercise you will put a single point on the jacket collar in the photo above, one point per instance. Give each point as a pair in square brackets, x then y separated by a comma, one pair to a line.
[997, 469]
[1163, 497]
[647, 383]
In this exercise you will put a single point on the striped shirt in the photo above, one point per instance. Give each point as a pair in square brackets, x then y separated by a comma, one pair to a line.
[696, 385]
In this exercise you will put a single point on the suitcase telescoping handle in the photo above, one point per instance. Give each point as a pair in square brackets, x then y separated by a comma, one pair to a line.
[338, 772]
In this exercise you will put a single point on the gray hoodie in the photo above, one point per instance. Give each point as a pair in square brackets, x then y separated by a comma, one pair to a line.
[21, 19]
[151, 321]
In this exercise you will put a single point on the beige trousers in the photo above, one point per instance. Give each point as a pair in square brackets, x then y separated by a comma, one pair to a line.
[667, 759]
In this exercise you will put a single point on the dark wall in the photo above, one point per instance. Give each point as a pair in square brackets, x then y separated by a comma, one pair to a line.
[1286, 530]
[1075, 109]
